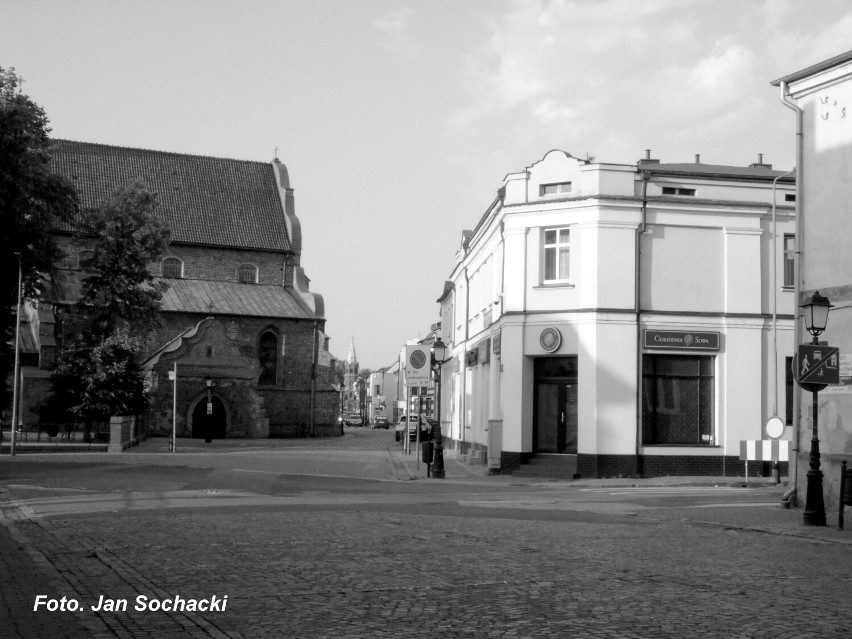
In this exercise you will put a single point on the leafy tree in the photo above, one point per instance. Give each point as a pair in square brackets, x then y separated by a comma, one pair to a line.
[98, 377]
[98, 373]
[32, 201]
[128, 237]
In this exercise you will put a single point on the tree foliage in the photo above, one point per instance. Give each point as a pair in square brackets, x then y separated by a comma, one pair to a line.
[32, 201]
[128, 236]
[99, 377]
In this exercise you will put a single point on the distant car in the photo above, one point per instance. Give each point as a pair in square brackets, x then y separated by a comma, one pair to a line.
[352, 419]
[411, 422]
[381, 422]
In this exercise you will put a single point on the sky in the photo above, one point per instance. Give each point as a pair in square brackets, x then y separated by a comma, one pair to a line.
[398, 120]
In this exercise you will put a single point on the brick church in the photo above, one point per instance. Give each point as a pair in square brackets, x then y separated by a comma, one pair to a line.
[241, 329]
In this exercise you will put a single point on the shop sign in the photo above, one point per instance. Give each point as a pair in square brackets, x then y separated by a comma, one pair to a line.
[682, 340]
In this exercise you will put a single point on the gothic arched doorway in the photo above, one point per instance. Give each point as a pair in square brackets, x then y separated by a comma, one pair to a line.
[211, 426]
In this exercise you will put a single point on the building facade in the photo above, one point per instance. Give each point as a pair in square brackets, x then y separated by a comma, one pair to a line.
[631, 319]
[821, 97]
[240, 325]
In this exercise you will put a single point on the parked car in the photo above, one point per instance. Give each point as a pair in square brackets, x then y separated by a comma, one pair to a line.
[352, 419]
[411, 422]
[381, 422]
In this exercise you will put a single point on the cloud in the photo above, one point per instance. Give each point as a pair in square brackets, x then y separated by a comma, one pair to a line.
[396, 33]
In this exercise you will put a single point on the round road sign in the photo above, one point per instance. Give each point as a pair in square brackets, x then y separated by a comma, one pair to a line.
[775, 427]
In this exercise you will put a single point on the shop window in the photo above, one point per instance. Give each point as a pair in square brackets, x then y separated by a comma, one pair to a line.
[247, 274]
[789, 261]
[268, 357]
[678, 396]
[557, 253]
[172, 268]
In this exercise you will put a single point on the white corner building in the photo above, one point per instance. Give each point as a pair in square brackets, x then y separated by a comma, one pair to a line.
[622, 319]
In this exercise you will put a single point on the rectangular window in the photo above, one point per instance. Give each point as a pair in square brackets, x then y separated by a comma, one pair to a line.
[672, 190]
[678, 393]
[789, 197]
[789, 261]
[555, 188]
[557, 251]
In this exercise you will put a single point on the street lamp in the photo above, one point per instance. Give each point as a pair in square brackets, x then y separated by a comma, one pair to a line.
[439, 351]
[815, 310]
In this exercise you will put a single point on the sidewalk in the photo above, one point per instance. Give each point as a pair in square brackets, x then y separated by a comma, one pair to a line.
[764, 519]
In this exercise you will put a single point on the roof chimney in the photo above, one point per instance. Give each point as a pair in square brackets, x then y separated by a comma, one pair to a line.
[698, 158]
[648, 159]
[760, 163]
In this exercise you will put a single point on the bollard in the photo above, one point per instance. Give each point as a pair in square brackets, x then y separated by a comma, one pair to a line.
[776, 473]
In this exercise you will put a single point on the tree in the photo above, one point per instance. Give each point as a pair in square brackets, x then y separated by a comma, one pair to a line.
[32, 202]
[98, 374]
[98, 378]
[128, 237]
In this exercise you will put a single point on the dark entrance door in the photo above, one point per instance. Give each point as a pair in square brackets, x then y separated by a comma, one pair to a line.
[206, 426]
[555, 407]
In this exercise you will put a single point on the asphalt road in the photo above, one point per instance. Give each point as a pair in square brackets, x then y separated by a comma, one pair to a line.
[321, 538]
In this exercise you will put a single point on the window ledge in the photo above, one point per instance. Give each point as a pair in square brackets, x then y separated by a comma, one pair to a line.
[556, 285]
[789, 289]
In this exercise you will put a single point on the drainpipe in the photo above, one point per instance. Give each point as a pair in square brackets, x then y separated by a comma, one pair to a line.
[800, 242]
[638, 310]
[773, 286]
[463, 417]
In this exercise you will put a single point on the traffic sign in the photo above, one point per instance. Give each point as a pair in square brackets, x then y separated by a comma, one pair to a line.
[818, 364]
[418, 370]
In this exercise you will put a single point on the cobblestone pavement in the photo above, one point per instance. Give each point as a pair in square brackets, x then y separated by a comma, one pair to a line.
[423, 565]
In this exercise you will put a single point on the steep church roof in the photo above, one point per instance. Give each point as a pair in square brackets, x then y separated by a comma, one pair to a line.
[204, 200]
[352, 358]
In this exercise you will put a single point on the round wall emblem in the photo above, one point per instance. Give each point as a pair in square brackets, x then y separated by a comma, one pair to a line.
[550, 339]
[688, 340]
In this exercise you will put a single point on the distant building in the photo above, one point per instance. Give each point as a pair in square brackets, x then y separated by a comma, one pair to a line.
[822, 97]
[383, 391]
[238, 311]
[353, 385]
[622, 319]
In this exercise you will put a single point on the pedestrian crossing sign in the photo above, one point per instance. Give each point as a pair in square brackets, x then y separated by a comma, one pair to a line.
[818, 364]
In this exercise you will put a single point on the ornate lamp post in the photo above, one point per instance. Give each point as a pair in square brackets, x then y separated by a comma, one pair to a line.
[439, 352]
[211, 384]
[815, 310]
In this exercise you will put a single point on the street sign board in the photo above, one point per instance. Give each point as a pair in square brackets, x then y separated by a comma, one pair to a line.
[418, 369]
[818, 364]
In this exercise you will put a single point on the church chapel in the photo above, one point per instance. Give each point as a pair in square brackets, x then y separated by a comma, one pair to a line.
[242, 350]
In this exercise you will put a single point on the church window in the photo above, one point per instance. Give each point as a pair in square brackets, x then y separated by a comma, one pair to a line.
[247, 274]
[85, 257]
[173, 268]
[268, 357]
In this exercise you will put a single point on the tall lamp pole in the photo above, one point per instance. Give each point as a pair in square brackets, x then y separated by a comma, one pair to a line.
[439, 351]
[15, 401]
[815, 309]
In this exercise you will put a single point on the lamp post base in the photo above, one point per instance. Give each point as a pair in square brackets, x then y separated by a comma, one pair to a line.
[438, 459]
[814, 514]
